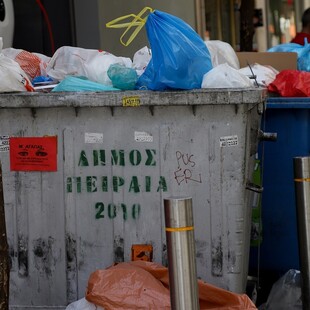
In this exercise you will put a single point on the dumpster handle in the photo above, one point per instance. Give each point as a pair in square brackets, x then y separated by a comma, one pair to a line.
[254, 187]
[267, 136]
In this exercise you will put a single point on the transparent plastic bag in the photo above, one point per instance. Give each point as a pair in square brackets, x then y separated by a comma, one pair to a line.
[285, 293]
[222, 52]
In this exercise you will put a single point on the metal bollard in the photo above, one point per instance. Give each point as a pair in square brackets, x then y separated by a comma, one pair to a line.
[302, 196]
[181, 253]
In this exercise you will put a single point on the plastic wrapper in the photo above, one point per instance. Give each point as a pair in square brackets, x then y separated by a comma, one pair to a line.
[145, 285]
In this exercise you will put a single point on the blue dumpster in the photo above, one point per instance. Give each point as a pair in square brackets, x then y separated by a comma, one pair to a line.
[290, 119]
[278, 251]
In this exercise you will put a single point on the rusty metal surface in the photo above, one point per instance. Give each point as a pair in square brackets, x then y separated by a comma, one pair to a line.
[116, 164]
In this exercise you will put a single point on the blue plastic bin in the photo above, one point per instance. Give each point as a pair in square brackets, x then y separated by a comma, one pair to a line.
[290, 119]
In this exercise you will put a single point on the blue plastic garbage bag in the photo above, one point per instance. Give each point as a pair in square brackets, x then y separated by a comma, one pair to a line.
[180, 57]
[303, 53]
[78, 84]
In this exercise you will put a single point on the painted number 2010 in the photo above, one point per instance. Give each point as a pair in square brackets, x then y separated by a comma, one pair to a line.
[113, 210]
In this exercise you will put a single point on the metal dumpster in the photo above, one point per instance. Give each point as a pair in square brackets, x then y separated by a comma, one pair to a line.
[119, 154]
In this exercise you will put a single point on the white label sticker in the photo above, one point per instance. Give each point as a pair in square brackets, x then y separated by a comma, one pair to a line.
[93, 137]
[143, 137]
[228, 141]
[4, 143]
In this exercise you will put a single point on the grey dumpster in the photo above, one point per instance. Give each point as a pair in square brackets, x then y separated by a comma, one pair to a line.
[119, 155]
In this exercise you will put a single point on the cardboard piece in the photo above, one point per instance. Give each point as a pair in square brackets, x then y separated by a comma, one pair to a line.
[278, 60]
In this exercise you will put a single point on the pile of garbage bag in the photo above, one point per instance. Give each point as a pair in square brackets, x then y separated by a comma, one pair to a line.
[178, 59]
[145, 285]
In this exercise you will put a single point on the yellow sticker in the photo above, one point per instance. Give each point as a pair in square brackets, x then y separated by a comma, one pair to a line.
[133, 101]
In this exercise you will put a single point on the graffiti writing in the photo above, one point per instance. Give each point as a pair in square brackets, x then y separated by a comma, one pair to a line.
[185, 170]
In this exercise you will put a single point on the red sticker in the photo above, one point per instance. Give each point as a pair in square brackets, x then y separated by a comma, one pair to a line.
[33, 153]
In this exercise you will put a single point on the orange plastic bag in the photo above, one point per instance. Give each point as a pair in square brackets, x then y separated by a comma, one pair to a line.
[145, 285]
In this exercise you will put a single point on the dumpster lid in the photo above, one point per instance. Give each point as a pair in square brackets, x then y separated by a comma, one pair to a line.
[133, 98]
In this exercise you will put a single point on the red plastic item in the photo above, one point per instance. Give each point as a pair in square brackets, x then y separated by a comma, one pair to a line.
[291, 83]
[145, 285]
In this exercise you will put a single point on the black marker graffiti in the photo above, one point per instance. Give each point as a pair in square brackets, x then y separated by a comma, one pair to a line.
[185, 169]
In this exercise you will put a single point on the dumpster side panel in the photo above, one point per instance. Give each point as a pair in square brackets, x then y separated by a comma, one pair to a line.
[115, 167]
[35, 220]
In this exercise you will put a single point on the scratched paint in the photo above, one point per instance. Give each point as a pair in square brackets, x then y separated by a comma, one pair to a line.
[118, 249]
[22, 256]
[217, 257]
[44, 255]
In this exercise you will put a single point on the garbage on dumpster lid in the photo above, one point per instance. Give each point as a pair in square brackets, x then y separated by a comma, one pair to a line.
[222, 53]
[33, 64]
[78, 84]
[122, 77]
[291, 83]
[145, 285]
[76, 61]
[180, 57]
[141, 59]
[12, 76]
[225, 76]
[264, 75]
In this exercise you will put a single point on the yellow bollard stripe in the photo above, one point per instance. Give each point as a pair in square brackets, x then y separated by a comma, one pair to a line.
[177, 229]
[302, 180]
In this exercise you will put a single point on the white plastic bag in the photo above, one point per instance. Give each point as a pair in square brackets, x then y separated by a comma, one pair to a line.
[83, 304]
[221, 53]
[12, 77]
[33, 64]
[93, 64]
[141, 59]
[264, 74]
[224, 76]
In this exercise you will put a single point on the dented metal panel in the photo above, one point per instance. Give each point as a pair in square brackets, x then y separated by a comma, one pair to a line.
[116, 164]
